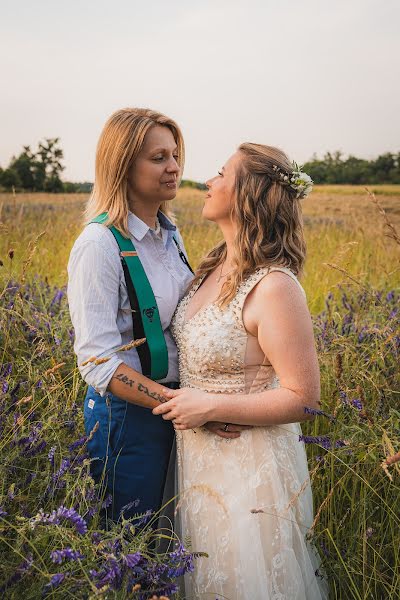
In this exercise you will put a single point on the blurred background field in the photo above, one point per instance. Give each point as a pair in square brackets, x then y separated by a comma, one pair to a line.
[343, 229]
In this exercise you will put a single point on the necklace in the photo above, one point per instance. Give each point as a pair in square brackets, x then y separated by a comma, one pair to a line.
[224, 275]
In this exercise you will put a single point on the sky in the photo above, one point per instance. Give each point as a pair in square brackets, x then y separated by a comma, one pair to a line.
[309, 76]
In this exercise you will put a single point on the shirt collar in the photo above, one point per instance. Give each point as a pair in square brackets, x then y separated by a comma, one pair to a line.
[138, 228]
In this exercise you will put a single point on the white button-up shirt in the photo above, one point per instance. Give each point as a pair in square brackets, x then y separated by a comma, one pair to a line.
[98, 299]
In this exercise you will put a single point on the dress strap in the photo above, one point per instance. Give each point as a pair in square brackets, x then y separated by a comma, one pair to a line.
[251, 281]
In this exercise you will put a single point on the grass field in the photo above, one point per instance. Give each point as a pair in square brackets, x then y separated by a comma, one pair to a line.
[352, 281]
[343, 229]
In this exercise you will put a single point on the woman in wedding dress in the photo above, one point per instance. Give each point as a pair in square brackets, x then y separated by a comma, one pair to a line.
[247, 356]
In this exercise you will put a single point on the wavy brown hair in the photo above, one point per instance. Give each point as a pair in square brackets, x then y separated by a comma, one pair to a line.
[119, 145]
[268, 217]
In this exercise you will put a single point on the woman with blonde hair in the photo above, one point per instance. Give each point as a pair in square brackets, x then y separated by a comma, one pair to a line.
[247, 355]
[127, 272]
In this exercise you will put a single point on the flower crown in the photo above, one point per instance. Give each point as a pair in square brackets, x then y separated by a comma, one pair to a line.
[296, 179]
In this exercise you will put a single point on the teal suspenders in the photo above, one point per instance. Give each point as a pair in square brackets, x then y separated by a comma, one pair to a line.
[153, 354]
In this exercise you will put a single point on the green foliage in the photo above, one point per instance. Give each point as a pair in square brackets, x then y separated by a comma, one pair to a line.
[334, 169]
[36, 171]
[84, 187]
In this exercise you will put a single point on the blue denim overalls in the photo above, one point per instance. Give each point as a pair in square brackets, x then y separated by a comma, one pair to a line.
[130, 452]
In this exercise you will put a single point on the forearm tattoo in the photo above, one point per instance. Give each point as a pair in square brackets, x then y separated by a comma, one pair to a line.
[145, 390]
[124, 379]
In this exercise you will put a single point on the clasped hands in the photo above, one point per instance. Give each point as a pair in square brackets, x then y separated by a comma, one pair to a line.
[189, 408]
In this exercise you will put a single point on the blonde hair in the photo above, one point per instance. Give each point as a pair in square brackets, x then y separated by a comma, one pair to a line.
[119, 145]
[268, 218]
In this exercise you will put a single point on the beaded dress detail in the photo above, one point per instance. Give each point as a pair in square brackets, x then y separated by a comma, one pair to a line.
[247, 502]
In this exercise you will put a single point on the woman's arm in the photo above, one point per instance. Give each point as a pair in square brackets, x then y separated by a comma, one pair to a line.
[285, 334]
[132, 386]
[93, 297]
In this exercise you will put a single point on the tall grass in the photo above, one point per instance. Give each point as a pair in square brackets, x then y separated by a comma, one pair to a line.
[352, 283]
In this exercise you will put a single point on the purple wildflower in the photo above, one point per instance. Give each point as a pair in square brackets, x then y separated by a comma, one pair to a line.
[144, 518]
[3, 513]
[356, 402]
[111, 574]
[57, 297]
[57, 556]
[314, 411]
[77, 443]
[62, 513]
[36, 449]
[107, 502]
[51, 455]
[4, 387]
[19, 573]
[322, 440]
[33, 436]
[65, 465]
[131, 560]
[130, 505]
[96, 538]
[6, 369]
[90, 494]
[181, 562]
[55, 581]
[29, 478]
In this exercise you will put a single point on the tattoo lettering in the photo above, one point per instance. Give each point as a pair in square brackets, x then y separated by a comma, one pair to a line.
[124, 379]
[145, 390]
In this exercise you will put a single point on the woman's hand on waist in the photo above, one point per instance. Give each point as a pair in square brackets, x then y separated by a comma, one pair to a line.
[230, 433]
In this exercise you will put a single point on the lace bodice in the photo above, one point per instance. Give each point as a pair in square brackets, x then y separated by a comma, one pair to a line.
[216, 352]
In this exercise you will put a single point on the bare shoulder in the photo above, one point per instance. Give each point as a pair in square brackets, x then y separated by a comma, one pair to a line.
[279, 286]
[276, 294]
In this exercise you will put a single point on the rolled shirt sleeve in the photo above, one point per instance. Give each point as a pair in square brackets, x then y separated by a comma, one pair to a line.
[93, 293]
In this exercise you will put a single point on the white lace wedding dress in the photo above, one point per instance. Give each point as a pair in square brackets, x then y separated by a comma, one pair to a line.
[247, 502]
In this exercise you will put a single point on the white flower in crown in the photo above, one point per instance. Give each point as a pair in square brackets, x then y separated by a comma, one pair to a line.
[301, 182]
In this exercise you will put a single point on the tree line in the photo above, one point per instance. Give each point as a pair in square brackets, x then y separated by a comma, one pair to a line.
[335, 168]
[40, 170]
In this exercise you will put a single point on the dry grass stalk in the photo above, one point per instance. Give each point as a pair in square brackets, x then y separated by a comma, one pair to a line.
[95, 360]
[32, 246]
[99, 361]
[392, 229]
[338, 365]
[132, 344]
[53, 369]
[93, 431]
[391, 460]
[325, 501]
[346, 273]
[24, 400]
